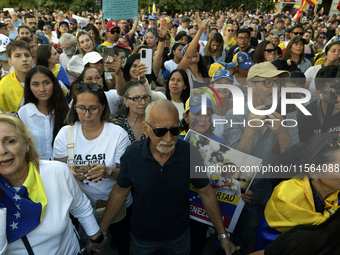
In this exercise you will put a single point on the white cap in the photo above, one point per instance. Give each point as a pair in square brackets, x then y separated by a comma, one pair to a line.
[4, 41]
[92, 57]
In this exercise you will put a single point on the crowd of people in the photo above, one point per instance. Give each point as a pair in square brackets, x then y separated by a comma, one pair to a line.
[84, 128]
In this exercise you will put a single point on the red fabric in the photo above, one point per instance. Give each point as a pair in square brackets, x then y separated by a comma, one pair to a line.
[338, 7]
[123, 45]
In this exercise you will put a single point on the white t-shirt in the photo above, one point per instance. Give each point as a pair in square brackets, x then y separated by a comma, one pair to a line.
[75, 65]
[41, 127]
[170, 65]
[180, 109]
[106, 149]
[6, 72]
[55, 234]
[64, 60]
[310, 76]
[114, 100]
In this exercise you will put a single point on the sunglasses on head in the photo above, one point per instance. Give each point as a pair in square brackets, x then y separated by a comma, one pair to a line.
[269, 50]
[298, 33]
[12, 114]
[161, 131]
[115, 32]
[92, 86]
[333, 142]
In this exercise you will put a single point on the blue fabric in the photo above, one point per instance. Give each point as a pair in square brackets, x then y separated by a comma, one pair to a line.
[63, 76]
[43, 38]
[23, 215]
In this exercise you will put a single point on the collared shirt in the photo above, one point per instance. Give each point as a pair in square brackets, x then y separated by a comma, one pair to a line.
[41, 127]
[161, 208]
[17, 24]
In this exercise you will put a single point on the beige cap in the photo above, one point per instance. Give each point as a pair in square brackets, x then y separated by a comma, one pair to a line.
[266, 70]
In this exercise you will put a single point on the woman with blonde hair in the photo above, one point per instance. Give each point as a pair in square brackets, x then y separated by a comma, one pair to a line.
[214, 47]
[228, 39]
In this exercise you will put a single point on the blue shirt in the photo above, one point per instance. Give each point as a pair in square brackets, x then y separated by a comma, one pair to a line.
[160, 209]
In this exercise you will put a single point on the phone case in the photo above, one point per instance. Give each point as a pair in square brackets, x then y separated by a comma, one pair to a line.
[146, 58]
[108, 55]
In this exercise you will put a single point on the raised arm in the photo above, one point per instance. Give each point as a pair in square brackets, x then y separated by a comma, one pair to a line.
[189, 53]
[157, 62]
[134, 27]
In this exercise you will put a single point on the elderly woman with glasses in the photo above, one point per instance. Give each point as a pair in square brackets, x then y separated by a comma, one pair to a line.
[37, 197]
[309, 199]
[98, 144]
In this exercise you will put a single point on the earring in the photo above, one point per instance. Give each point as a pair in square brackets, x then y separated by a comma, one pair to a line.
[316, 179]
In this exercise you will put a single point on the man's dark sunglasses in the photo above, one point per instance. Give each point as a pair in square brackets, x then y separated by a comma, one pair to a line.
[114, 31]
[161, 131]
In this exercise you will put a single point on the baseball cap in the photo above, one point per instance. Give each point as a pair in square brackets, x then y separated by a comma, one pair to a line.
[296, 39]
[142, 32]
[111, 25]
[153, 17]
[266, 70]
[92, 57]
[222, 73]
[64, 22]
[60, 15]
[73, 21]
[243, 60]
[280, 20]
[164, 13]
[186, 19]
[3, 24]
[220, 65]
[194, 104]
[186, 46]
[4, 41]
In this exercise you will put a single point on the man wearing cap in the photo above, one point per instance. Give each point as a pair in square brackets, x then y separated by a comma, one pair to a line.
[31, 22]
[279, 28]
[185, 25]
[6, 68]
[243, 44]
[113, 33]
[59, 17]
[4, 29]
[13, 33]
[153, 21]
[264, 138]
[73, 25]
[161, 220]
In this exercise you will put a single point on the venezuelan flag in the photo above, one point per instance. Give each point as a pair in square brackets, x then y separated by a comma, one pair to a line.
[321, 11]
[154, 11]
[25, 208]
[60, 73]
[295, 8]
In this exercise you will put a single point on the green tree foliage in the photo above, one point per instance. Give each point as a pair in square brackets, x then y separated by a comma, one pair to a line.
[174, 5]
[264, 5]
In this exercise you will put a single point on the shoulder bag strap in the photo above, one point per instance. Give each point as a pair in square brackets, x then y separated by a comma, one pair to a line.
[70, 145]
[27, 245]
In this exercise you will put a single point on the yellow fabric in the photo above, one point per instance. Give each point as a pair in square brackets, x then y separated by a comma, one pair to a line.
[11, 93]
[55, 70]
[292, 204]
[106, 43]
[320, 61]
[231, 43]
[214, 67]
[282, 45]
[35, 188]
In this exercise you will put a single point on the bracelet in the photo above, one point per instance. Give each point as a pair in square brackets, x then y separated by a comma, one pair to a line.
[226, 235]
[161, 39]
[112, 173]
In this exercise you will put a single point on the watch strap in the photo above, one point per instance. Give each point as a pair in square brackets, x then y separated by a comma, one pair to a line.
[226, 235]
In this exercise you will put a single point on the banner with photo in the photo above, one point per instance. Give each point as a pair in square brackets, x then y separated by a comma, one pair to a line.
[230, 175]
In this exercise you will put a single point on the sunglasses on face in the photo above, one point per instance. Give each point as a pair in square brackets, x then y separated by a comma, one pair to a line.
[115, 31]
[92, 86]
[322, 37]
[333, 142]
[98, 23]
[269, 50]
[298, 33]
[161, 131]
[230, 30]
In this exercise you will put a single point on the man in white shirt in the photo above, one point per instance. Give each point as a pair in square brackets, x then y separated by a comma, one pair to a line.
[68, 43]
[13, 33]
[185, 25]
[220, 23]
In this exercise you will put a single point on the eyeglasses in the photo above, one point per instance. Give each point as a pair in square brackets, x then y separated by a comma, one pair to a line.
[12, 114]
[92, 110]
[268, 83]
[146, 98]
[161, 131]
[298, 33]
[243, 38]
[333, 142]
[322, 37]
[92, 86]
[32, 23]
[114, 31]
[98, 23]
[269, 50]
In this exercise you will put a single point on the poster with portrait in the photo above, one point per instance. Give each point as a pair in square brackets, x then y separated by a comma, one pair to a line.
[231, 173]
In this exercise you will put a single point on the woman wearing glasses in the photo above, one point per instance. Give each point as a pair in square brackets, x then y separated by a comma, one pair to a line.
[310, 199]
[264, 52]
[37, 197]
[99, 144]
[295, 51]
[131, 116]
[45, 108]
[228, 39]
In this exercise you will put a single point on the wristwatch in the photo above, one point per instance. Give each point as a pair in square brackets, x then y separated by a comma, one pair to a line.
[112, 173]
[226, 235]
[99, 238]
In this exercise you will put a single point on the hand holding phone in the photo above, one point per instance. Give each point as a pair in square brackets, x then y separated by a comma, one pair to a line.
[146, 59]
[82, 168]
